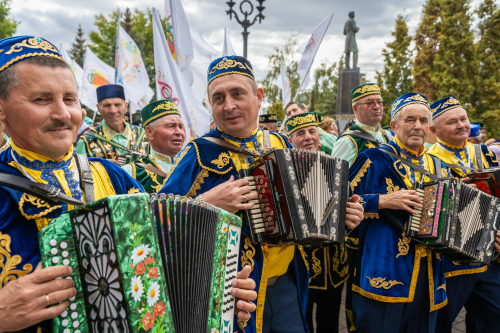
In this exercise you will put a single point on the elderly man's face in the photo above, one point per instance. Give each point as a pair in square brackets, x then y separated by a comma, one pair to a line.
[113, 111]
[42, 113]
[168, 136]
[293, 110]
[306, 138]
[412, 126]
[235, 107]
[369, 109]
[452, 127]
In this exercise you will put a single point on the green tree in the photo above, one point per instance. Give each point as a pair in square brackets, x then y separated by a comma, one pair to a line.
[455, 65]
[488, 51]
[396, 77]
[426, 44]
[8, 25]
[77, 51]
[104, 37]
[324, 92]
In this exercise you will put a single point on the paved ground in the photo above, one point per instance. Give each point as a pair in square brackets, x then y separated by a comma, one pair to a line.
[458, 325]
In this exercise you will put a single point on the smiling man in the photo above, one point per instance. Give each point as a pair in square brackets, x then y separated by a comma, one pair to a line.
[112, 106]
[476, 288]
[165, 132]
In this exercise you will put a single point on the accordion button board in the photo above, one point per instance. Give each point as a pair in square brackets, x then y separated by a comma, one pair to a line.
[302, 197]
[141, 263]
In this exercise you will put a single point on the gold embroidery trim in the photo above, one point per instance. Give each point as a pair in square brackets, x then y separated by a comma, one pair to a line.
[356, 145]
[360, 174]
[204, 167]
[370, 145]
[242, 324]
[134, 190]
[8, 263]
[431, 284]
[403, 245]
[103, 174]
[261, 298]
[316, 265]
[42, 222]
[351, 320]
[39, 203]
[247, 256]
[442, 287]
[370, 215]
[27, 55]
[382, 283]
[167, 105]
[308, 118]
[337, 259]
[222, 160]
[197, 183]
[177, 161]
[367, 88]
[466, 271]
[34, 43]
[390, 186]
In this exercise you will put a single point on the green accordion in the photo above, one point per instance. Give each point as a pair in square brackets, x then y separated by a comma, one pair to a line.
[146, 263]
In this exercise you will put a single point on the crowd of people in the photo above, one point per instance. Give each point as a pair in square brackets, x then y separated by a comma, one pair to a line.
[392, 283]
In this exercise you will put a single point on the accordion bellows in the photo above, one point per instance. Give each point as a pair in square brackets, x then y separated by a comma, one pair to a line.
[129, 280]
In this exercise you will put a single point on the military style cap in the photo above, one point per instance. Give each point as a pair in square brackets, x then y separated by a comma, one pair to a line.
[301, 120]
[445, 104]
[158, 109]
[364, 90]
[15, 49]
[229, 65]
[110, 91]
[268, 118]
[475, 131]
[407, 99]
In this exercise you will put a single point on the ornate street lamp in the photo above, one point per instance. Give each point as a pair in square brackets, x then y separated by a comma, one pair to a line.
[246, 22]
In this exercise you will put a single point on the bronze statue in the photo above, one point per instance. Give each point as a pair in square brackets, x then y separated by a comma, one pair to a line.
[350, 31]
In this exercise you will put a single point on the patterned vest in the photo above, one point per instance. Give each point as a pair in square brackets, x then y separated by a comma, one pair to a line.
[151, 181]
[362, 145]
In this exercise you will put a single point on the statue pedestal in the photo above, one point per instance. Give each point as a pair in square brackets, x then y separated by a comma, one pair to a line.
[349, 79]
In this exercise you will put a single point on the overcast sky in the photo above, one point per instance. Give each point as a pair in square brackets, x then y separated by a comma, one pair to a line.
[57, 21]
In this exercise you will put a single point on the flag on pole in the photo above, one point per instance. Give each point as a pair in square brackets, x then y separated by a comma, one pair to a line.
[77, 70]
[118, 71]
[284, 84]
[134, 107]
[310, 51]
[95, 74]
[184, 52]
[203, 53]
[170, 83]
[228, 47]
[130, 68]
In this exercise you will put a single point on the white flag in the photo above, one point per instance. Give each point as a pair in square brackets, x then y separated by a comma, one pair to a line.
[77, 70]
[134, 107]
[228, 47]
[130, 67]
[203, 53]
[96, 73]
[184, 52]
[310, 51]
[170, 83]
[284, 84]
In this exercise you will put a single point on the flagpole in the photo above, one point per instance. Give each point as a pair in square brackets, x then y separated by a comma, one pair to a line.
[295, 97]
[93, 117]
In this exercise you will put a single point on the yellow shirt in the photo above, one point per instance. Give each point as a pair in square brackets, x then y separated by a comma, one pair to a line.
[279, 257]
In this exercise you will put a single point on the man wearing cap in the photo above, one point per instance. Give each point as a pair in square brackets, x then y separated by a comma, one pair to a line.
[208, 170]
[166, 134]
[327, 140]
[269, 121]
[476, 288]
[112, 106]
[482, 129]
[475, 136]
[398, 285]
[4, 139]
[328, 266]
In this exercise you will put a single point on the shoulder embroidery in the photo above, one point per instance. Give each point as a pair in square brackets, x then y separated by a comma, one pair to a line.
[197, 183]
[390, 186]
[247, 256]
[8, 263]
[39, 203]
[382, 283]
[207, 168]
[221, 161]
[370, 145]
[360, 174]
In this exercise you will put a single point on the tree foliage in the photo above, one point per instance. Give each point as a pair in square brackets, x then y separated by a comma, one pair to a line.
[77, 51]
[324, 92]
[8, 25]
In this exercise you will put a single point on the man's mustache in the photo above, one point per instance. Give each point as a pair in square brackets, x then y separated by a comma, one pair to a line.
[416, 132]
[232, 114]
[57, 124]
[461, 130]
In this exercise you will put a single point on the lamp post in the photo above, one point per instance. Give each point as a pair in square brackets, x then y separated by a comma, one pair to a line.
[246, 22]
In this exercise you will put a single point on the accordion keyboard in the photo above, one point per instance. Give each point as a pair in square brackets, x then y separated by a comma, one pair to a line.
[262, 214]
[415, 219]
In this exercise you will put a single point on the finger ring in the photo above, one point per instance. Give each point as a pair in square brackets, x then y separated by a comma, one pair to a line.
[48, 301]
[244, 198]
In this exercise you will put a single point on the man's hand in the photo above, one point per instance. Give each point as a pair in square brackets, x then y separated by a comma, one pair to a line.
[230, 195]
[471, 184]
[354, 213]
[243, 291]
[23, 302]
[402, 199]
[115, 160]
[497, 241]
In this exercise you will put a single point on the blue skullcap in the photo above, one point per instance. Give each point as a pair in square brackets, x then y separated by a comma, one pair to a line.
[407, 99]
[443, 105]
[475, 131]
[229, 65]
[15, 49]
[110, 91]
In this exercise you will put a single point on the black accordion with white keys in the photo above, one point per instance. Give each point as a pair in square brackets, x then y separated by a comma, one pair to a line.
[456, 220]
[302, 197]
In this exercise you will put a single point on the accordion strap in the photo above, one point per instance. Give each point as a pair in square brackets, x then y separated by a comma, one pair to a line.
[153, 169]
[230, 146]
[86, 178]
[412, 165]
[479, 156]
[361, 135]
